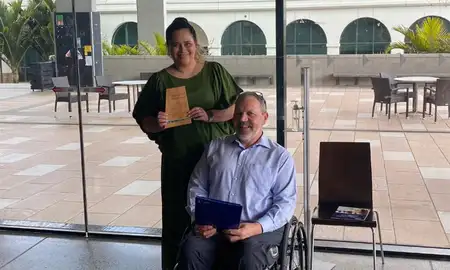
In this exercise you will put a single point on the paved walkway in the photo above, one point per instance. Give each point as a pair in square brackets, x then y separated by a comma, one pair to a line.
[40, 163]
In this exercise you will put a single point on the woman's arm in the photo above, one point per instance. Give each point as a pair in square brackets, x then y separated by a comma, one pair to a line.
[221, 115]
[150, 125]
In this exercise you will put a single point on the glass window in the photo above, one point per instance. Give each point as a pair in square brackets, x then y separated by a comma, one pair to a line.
[243, 38]
[126, 34]
[305, 37]
[365, 36]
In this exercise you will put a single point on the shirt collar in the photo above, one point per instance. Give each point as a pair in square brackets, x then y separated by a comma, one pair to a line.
[263, 141]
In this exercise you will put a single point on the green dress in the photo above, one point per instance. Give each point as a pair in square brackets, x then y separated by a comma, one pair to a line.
[213, 88]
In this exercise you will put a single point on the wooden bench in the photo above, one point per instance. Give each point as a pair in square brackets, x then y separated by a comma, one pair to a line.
[252, 79]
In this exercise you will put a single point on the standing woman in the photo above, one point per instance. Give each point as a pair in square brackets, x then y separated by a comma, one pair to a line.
[211, 93]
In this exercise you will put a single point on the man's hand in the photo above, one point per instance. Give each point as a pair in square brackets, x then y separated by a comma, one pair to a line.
[245, 231]
[205, 231]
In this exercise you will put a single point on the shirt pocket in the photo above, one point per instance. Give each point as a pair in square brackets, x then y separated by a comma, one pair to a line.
[260, 179]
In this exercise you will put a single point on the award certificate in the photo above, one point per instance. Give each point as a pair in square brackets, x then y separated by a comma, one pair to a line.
[177, 107]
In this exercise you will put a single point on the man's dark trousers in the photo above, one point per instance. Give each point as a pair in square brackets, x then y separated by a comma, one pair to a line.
[254, 253]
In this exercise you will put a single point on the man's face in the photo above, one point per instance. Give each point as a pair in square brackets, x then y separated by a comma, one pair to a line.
[249, 120]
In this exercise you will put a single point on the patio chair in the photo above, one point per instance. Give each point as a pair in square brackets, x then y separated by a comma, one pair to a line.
[110, 95]
[345, 179]
[385, 94]
[439, 96]
[69, 97]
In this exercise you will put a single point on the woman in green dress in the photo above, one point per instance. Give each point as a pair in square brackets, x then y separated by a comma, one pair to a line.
[211, 93]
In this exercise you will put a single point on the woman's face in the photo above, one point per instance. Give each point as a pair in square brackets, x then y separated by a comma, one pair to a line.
[183, 47]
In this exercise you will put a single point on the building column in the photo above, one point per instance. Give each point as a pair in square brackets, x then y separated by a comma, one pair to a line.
[151, 18]
[333, 49]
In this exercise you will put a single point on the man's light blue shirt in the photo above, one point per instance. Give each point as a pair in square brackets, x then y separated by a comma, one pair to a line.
[261, 178]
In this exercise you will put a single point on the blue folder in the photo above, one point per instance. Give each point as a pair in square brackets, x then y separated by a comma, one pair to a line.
[221, 214]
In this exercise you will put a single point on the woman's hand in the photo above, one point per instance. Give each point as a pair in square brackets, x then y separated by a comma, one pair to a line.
[198, 114]
[162, 120]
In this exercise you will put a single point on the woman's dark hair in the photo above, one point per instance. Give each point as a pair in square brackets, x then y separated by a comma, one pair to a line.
[178, 24]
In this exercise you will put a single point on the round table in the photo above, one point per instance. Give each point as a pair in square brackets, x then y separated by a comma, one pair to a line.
[133, 83]
[414, 80]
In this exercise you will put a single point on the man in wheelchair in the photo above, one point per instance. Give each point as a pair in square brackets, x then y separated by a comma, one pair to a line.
[249, 169]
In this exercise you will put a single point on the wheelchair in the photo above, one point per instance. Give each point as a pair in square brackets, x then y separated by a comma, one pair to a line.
[293, 248]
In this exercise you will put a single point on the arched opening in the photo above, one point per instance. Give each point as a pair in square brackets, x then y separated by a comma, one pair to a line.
[201, 35]
[364, 36]
[126, 34]
[243, 38]
[305, 37]
[420, 21]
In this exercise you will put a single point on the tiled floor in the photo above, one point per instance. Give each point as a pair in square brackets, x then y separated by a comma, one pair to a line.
[18, 252]
[40, 171]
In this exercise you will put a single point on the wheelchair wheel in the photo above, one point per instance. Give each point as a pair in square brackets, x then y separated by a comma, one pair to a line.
[296, 251]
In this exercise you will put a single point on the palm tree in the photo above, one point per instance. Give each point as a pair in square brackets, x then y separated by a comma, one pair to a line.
[15, 33]
[429, 37]
[39, 14]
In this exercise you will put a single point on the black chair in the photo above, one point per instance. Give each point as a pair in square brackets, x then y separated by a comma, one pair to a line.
[111, 95]
[292, 250]
[384, 93]
[345, 179]
[438, 96]
[68, 97]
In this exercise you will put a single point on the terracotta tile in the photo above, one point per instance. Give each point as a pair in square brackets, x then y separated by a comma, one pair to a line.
[408, 192]
[404, 178]
[329, 232]
[16, 214]
[381, 199]
[413, 210]
[385, 214]
[39, 201]
[441, 202]
[115, 204]
[158, 224]
[365, 235]
[94, 219]
[438, 186]
[379, 184]
[401, 166]
[419, 232]
[11, 181]
[139, 215]
[24, 190]
[59, 212]
[152, 200]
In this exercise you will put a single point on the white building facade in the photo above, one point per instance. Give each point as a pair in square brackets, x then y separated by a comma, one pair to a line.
[313, 26]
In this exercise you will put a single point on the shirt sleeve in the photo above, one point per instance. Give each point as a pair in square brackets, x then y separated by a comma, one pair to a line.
[229, 89]
[198, 183]
[148, 103]
[284, 197]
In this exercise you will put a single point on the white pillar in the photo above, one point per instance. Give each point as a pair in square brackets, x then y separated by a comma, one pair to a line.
[333, 49]
[151, 18]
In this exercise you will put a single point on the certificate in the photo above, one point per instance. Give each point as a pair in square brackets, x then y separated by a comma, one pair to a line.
[177, 107]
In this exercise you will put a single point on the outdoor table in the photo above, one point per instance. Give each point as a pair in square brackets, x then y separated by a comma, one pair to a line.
[134, 84]
[414, 80]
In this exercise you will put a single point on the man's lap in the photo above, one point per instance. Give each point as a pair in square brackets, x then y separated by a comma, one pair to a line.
[254, 250]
